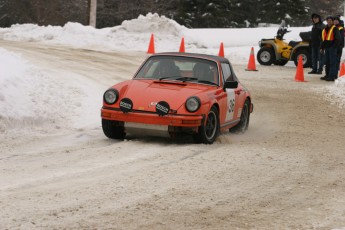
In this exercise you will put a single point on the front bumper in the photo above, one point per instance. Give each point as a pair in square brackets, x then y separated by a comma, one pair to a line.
[152, 118]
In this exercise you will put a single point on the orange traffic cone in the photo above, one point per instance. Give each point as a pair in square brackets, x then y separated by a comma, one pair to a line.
[299, 71]
[251, 63]
[342, 70]
[182, 49]
[151, 49]
[221, 50]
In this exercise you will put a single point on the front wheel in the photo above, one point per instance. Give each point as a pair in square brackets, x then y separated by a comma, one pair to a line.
[113, 129]
[266, 56]
[208, 131]
[242, 126]
[306, 58]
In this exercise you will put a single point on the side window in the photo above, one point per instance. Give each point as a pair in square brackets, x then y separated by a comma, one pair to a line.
[227, 75]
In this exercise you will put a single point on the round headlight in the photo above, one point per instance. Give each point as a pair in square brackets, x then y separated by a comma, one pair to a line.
[193, 104]
[110, 96]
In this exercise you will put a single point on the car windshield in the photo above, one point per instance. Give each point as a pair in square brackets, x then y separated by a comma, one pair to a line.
[185, 69]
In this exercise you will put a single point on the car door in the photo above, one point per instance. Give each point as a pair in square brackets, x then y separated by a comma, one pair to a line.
[233, 112]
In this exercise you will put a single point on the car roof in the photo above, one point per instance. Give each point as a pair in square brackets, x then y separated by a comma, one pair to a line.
[195, 55]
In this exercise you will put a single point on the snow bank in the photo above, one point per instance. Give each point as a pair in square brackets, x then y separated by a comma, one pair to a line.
[135, 35]
[30, 96]
[152, 23]
[15, 85]
[130, 35]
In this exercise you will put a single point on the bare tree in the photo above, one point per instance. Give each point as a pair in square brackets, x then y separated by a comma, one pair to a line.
[93, 12]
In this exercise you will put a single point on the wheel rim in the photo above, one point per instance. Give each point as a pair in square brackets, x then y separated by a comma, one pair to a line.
[265, 56]
[211, 125]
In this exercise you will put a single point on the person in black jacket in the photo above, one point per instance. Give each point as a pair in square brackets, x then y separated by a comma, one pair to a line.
[315, 44]
[329, 46]
[340, 26]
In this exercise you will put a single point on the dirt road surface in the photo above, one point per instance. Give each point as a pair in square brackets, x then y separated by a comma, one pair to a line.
[286, 172]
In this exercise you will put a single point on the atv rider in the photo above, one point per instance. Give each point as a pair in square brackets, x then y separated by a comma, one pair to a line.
[330, 44]
[315, 43]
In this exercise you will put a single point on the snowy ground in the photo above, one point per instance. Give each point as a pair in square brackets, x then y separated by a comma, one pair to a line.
[59, 171]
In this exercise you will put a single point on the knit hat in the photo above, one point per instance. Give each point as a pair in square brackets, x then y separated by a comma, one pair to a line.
[315, 16]
[336, 18]
[330, 17]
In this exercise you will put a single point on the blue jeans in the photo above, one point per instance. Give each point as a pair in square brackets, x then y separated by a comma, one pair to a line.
[317, 59]
[331, 61]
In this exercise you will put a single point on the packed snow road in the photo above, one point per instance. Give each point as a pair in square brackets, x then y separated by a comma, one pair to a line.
[61, 172]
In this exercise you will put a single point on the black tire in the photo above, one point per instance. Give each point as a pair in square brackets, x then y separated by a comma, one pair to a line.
[242, 126]
[280, 62]
[305, 56]
[113, 129]
[266, 56]
[208, 133]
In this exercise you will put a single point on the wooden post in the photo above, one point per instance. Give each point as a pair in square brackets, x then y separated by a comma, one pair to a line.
[93, 12]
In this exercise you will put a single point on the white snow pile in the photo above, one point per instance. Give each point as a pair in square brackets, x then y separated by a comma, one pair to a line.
[135, 35]
[31, 96]
[130, 35]
[72, 34]
[151, 23]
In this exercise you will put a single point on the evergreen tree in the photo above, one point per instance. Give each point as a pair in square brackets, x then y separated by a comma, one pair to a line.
[325, 7]
[241, 13]
[293, 12]
[190, 13]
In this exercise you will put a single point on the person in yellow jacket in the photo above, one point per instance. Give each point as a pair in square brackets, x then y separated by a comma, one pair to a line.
[329, 46]
[337, 23]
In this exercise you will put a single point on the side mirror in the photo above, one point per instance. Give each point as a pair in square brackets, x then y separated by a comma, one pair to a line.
[230, 85]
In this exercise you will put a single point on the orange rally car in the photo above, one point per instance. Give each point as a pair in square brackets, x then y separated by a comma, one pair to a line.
[178, 93]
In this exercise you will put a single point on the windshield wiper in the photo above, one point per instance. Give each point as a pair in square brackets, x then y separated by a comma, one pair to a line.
[172, 77]
[207, 82]
[179, 78]
[184, 79]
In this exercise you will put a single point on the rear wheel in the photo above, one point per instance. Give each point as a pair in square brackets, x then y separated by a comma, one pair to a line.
[306, 58]
[242, 126]
[266, 56]
[113, 129]
[209, 131]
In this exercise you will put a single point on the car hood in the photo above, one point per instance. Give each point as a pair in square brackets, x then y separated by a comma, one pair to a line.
[145, 94]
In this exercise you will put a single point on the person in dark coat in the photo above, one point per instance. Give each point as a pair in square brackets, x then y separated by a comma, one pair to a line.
[329, 46]
[315, 44]
[341, 22]
[340, 26]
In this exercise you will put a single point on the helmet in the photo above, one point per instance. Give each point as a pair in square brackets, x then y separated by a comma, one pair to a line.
[167, 68]
[202, 72]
